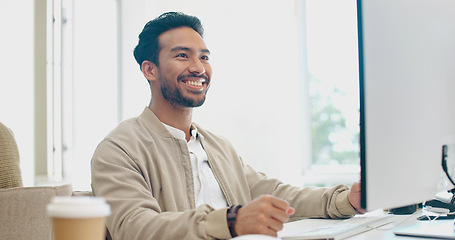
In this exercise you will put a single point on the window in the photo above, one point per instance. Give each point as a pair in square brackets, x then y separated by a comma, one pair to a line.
[89, 83]
[333, 90]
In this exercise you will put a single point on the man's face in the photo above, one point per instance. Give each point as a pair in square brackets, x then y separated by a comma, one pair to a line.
[184, 69]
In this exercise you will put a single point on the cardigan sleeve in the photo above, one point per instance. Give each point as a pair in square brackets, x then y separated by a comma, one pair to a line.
[309, 202]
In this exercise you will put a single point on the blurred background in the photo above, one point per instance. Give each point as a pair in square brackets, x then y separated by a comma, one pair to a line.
[284, 86]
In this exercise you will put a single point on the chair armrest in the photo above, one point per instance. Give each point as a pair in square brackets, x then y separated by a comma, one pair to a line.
[23, 211]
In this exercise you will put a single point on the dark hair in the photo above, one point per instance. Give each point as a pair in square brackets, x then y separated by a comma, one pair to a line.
[149, 47]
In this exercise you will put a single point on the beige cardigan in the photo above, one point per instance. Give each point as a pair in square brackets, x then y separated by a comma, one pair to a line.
[145, 175]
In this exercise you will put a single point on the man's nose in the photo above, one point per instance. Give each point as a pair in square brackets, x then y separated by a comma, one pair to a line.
[196, 67]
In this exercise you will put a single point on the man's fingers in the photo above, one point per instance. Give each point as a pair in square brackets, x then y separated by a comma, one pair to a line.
[281, 209]
[275, 225]
[279, 203]
[264, 215]
[291, 211]
[279, 215]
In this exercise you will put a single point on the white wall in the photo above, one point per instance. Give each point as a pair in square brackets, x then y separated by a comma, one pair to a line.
[135, 89]
[17, 79]
[94, 83]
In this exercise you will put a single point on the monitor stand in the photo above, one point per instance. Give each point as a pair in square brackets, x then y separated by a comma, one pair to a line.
[406, 210]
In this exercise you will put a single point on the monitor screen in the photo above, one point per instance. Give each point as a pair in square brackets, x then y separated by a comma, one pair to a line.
[407, 98]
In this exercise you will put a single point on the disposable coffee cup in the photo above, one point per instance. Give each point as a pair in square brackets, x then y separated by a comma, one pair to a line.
[78, 218]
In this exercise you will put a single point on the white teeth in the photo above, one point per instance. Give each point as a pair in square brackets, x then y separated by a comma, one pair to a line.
[195, 83]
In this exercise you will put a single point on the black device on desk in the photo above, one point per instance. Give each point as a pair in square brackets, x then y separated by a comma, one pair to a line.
[435, 203]
[440, 206]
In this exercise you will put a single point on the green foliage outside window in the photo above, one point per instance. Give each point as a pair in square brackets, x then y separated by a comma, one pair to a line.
[327, 120]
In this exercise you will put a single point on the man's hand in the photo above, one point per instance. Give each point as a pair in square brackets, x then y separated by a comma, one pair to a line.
[354, 197]
[264, 215]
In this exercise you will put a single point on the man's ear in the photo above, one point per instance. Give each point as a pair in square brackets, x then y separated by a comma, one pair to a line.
[149, 70]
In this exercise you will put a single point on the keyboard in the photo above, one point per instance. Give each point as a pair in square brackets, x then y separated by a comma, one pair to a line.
[334, 229]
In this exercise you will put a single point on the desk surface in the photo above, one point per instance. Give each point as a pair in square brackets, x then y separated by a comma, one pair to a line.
[384, 232]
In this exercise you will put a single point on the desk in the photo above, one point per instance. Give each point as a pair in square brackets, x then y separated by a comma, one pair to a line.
[384, 232]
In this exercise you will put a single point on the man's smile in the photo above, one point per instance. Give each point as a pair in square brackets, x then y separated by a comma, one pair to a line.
[194, 83]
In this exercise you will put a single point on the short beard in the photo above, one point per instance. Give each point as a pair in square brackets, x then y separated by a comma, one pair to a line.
[176, 98]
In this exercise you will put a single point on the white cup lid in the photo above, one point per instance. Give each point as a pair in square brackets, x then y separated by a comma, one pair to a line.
[78, 207]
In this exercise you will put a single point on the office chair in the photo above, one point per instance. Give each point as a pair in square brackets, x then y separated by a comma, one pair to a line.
[10, 173]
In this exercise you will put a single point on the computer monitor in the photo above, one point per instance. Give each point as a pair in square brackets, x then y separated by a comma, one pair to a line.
[407, 98]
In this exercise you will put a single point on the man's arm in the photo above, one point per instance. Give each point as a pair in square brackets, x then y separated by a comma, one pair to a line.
[308, 202]
[267, 214]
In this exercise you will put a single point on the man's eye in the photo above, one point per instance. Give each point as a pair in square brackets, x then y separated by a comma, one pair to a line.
[205, 57]
[182, 55]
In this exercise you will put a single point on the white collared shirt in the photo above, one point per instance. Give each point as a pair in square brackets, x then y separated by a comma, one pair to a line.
[206, 187]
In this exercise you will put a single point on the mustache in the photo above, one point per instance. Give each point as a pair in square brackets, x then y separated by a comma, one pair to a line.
[179, 78]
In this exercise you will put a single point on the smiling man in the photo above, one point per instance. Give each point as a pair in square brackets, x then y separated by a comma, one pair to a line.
[180, 78]
[168, 178]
